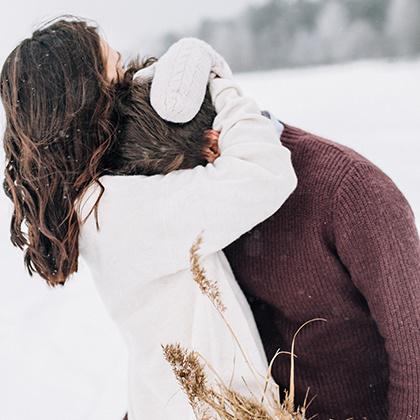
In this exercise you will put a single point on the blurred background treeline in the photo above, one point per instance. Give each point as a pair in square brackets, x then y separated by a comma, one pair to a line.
[291, 33]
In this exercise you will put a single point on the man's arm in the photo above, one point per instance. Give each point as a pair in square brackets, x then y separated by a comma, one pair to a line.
[377, 241]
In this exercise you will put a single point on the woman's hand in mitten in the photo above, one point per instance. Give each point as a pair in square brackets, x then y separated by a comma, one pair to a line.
[180, 78]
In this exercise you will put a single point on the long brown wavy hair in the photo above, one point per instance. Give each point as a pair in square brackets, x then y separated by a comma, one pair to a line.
[59, 124]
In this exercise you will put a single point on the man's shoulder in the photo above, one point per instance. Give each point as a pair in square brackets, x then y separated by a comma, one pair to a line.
[301, 141]
[327, 164]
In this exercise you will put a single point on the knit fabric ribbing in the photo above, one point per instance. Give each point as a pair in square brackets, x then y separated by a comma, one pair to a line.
[343, 247]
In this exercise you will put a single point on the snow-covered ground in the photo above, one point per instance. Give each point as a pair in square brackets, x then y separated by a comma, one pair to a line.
[61, 357]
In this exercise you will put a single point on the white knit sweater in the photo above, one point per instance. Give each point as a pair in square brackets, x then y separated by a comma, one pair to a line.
[139, 258]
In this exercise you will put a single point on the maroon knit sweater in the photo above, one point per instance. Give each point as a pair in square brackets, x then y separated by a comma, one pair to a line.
[343, 247]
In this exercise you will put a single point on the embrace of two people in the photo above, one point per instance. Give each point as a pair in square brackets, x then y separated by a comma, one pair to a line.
[125, 167]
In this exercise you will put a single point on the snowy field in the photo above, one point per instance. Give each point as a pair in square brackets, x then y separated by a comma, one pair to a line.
[61, 357]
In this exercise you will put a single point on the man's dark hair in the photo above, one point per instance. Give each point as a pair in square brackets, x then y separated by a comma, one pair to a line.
[148, 145]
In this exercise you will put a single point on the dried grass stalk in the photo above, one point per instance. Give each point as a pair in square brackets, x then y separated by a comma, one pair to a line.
[218, 401]
[207, 287]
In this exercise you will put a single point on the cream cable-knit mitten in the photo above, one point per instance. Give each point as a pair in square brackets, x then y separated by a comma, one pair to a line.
[180, 78]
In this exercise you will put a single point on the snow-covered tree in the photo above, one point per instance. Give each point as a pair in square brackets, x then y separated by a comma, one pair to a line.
[332, 25]
[404, 26]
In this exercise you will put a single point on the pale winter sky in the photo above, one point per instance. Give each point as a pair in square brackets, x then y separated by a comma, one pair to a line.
[128, 25]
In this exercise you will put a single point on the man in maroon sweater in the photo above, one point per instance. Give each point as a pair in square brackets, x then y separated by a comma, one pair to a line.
[343, 247]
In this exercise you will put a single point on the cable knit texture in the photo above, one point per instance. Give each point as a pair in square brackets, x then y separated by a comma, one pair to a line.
[344, 247]
[180, 78]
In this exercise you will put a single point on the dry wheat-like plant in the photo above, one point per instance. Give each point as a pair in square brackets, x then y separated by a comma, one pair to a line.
[207, 287]
[217, 401]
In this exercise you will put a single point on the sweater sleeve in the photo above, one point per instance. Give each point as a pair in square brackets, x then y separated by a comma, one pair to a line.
[377, 240]
[246, 184]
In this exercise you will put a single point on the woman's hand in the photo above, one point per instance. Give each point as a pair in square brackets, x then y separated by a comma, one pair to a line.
[180, 78]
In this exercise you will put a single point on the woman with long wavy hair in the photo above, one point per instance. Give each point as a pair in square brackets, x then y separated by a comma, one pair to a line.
[59, 126]
[59, 89]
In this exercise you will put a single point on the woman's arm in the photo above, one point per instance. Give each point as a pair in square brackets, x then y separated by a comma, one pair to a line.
[249, 181]
[164, 214]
